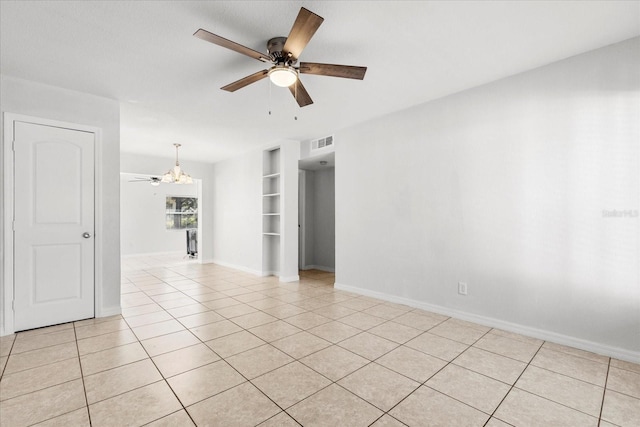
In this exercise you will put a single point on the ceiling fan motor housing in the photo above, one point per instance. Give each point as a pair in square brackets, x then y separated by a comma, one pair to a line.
[275, 48]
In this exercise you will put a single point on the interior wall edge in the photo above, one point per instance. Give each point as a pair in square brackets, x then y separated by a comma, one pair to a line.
[109, 311]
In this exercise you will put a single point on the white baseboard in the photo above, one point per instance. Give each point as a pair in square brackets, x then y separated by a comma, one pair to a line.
[594, 347]
[289, 278]
[319, 267]
[237, 267]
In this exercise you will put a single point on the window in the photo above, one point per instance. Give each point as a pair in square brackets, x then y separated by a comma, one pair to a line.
[181, 213]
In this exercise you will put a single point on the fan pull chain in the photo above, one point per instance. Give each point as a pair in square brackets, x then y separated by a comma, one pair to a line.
[295, 90]
[269, 102]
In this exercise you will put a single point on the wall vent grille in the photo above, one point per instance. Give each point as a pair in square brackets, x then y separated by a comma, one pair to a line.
[319, 143]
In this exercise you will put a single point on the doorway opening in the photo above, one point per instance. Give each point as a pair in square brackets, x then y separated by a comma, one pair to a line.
[316, 213]
[159, 221]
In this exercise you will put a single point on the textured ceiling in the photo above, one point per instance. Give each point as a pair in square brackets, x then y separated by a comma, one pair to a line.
[143, 54]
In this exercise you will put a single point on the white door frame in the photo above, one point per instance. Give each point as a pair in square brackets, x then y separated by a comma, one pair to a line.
[200, 220]
[302, 224]
[8, 199]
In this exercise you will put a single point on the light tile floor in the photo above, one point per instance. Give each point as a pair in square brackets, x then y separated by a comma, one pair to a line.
[207, 345]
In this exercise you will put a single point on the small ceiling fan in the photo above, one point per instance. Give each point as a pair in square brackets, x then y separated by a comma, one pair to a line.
[283, 54]
[153, 180]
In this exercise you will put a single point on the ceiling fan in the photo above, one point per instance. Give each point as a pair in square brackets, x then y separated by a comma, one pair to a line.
[283, 54]
[153, 180]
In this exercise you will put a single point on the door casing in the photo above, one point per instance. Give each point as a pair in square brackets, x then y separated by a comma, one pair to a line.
[302, 224]
[7, 322]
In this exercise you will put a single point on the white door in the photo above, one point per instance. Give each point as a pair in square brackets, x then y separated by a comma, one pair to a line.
[54, 225]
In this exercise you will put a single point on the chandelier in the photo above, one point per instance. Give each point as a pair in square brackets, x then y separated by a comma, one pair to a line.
[176, 175]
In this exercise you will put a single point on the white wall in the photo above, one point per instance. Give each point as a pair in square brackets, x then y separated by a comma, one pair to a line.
[49, 102]
[143, 216]
[306, 152]
[237, 208]
[308, 210]
[325, 219]
[504, 186]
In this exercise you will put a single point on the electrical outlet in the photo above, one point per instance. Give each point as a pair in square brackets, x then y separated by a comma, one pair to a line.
[462, 288]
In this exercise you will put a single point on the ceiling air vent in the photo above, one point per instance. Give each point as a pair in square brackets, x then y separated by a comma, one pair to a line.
[317, 144]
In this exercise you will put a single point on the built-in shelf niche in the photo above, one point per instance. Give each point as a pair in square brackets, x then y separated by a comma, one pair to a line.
[271, 204]
[271, 224]
[271, 184]
[271, 208]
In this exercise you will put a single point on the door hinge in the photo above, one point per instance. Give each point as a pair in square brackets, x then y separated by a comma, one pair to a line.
[13, 225]
[13, 145]
[13, 305]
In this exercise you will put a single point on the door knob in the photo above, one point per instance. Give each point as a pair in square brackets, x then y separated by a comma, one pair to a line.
[86, 235]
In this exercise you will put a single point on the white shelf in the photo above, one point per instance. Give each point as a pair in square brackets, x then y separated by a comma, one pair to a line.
[271, 208]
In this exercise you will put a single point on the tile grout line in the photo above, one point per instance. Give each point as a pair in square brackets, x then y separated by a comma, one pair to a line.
[161, 376]
[331, 343]
[576, 355]
[291, 362]
[557, 403]
[41, 348]
[514, 384]
[493, 352]
[604, 392]
[38, 366]
[388, 415]
[570, 377]
[165, 378]
[6, 363]
[424, 383]
[41, 366]
[84, 387]
[247, 380]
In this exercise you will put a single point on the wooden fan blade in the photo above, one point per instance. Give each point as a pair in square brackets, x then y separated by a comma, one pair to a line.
[333, 70]
[221, 41]
[246, 81]
[300, 94]
[303, 29]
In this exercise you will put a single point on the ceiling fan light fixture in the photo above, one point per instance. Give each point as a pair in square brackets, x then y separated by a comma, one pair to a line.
[176, 175]
[283, 76]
